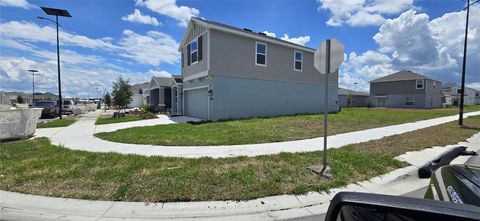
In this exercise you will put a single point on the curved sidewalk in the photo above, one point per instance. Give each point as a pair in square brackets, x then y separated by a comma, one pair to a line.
[79, 136]
[311, 206]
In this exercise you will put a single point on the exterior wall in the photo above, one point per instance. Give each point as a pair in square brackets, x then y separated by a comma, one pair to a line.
[234, 98]
[356, 101]
[396, 93]
[469, 98]
[201, 66]
[234, 56]
[137, 101]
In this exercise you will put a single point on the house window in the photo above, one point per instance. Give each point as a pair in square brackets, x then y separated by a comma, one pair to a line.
[298, 61]
[419, 84]
[261, 54]
[194, 51]
[408, 101]
[434, 84]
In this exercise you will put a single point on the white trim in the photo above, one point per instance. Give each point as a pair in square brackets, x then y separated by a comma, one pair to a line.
[256, 53]
[253, 36]
[295, 60]
[195, 88]
[208, 50]
[423, 84]
[195, 76]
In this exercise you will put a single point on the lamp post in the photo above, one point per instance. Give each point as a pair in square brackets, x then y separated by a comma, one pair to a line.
[355, 85]
[33, 83]
[464, 66]
[64, 13]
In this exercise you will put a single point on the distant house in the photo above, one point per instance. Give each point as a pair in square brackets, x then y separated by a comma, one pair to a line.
[230, 73]
[138, 94]
[452, 93]
[164, 94]
[11, 97]
[406, 89]
[351, 98]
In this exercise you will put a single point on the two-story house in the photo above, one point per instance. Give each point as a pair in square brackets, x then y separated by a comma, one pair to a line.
[229, 73]
[406, 89]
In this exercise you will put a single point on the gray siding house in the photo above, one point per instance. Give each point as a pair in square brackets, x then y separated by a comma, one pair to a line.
[452, 92]
[231, 73]
[164, 94]
[351, 98]
[406, 89]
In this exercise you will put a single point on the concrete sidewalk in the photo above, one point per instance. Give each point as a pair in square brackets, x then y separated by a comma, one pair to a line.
[312, 206]
[79, 136]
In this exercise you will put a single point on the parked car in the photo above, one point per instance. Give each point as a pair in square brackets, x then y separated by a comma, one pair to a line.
[68, 106]
[50, 108]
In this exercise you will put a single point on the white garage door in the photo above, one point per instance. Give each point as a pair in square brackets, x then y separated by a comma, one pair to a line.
[196, 103]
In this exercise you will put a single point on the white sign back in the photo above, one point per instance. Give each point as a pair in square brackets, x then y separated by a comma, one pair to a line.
[337, 51]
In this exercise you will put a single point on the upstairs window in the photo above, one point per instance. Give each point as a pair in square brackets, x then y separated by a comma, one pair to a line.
[298, 61]
[194, 51]
[261, 54]
[419, 84]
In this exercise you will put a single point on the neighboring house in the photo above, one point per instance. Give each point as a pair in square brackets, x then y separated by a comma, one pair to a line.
[165, 94]
[230, 73]
[452, 93]
[351, 98]
[11, 97]
[406, 89]
[138, 94]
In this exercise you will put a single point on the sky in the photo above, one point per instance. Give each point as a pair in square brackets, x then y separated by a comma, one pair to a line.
[138, 39]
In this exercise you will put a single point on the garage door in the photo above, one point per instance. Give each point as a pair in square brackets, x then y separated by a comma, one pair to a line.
[196, 103]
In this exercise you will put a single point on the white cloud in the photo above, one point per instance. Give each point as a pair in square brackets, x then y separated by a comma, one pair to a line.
[271, 34]
[170, 8]
[413, 41]
[76, 80]
[16, 3]
[137, 17]
[301, 40]
[159, 73]
[151, 49]
[31, 32]
[362, 12]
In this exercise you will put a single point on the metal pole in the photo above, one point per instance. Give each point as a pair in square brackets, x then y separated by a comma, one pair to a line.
[60, 104]
[462, 93]
[33, 87]
[325, 111]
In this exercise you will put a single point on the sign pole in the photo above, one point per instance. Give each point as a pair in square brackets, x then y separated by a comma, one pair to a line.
[325, 111]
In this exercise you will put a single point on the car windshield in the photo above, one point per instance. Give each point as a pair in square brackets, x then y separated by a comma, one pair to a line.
[44, 104]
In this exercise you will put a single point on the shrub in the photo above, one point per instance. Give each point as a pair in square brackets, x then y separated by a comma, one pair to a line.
[146, 108]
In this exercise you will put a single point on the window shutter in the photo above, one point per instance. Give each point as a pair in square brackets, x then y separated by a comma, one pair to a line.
[189, 59]
[200, 48]
[183, 59]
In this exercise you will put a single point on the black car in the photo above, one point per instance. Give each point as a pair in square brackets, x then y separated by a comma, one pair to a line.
[50, 108]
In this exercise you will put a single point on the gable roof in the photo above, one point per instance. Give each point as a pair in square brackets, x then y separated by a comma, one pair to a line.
[343, 91]
[234, 30]
[401, 76]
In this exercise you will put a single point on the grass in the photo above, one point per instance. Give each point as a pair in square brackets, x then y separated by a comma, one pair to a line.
[274, 129]
[37, 167]
[111, 120]
[56, 123]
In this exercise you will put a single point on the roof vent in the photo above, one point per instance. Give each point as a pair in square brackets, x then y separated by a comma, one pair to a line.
[262, 33]
[246, 29]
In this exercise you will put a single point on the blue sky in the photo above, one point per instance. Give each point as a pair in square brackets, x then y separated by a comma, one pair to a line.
[139, 39]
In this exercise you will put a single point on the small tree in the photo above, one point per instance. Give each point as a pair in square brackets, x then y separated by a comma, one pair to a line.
[107, 99]
[20, 99]
[121, 93]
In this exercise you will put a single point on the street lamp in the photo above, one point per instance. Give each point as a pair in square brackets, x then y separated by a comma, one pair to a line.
[33, 84]
[464, 66]
[64, 13]
[355, 85]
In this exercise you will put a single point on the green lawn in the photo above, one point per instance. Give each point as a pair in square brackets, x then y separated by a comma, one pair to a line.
[37, 167]
[56, 123]
[111, 120]
[275, 129]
